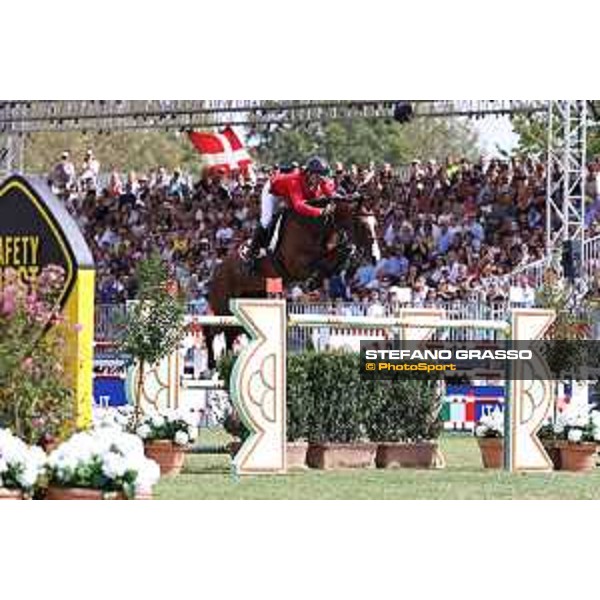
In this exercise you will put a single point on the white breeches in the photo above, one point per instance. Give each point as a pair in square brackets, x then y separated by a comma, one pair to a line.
[268, 203]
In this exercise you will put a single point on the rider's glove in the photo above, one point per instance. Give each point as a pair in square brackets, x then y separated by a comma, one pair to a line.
[328, 212]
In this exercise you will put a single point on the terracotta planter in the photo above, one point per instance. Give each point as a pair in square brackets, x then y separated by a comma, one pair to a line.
[492, 452]
[169, 456]
[553, 451]
[60, 493]
[296, 455]
[358, 455]
[6, 494]
[578, 457]
[416, 455]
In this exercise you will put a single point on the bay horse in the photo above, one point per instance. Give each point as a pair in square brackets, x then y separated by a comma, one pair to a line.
[303, 246]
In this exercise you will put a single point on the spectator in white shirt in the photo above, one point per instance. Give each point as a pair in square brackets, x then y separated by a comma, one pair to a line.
[89, 172]
[224, 235]
[376, 309]
[62, 179]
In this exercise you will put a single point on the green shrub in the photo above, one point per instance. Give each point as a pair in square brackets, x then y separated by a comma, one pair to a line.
[225, 367]
[405, 410]
[338, 403]
[299, 390]
[232, 423]
[327, 401]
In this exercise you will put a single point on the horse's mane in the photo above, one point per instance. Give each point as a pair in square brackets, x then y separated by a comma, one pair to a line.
[319, 202]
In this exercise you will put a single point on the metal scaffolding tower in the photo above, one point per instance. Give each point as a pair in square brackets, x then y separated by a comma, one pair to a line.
[566, 171]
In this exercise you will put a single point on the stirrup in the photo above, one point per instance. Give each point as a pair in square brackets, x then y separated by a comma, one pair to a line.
[244, 252]
[247, 255]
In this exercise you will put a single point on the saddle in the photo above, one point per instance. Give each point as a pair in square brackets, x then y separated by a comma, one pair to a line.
[334, 258]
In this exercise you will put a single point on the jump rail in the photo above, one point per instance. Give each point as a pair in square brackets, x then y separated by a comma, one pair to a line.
[354, 321]
[358, 321]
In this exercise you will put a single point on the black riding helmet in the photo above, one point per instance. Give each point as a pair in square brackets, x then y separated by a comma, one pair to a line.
[317, 165]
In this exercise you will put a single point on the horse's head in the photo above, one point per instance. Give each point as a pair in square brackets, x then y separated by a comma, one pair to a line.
[358, 220]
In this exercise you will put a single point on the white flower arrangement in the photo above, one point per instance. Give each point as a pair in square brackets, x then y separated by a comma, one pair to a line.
[120, 417]
[174, 425]
[576, 424]
[573, 416]
[105, 459]
[491, 425]
[21, 465]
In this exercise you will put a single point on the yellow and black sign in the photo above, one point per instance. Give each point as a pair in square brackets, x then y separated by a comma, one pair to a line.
[37, 231]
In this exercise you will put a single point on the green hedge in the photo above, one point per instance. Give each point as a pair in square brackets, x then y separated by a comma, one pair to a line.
[327, 401]
[405, 410]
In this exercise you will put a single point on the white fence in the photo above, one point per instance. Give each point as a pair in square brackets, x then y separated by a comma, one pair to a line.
[319, 337]
[108, 316]
[534, 271]
[330, 336]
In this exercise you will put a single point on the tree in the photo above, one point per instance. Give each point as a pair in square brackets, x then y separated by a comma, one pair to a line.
[533, 133]
[353, 141]
[362, 141]
[155, 324]
[121, 150]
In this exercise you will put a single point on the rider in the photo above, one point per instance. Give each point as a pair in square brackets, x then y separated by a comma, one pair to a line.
[296, 188]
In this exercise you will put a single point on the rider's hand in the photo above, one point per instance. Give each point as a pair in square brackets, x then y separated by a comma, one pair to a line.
[328, 212]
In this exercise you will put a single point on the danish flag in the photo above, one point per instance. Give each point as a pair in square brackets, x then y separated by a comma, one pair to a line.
[222, 151]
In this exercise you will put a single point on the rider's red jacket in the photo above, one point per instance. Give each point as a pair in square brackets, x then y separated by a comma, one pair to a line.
[292, 187]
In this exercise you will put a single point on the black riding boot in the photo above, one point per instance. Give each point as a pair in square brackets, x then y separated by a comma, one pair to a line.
[320, 270]
[252, 250]
[314, 282]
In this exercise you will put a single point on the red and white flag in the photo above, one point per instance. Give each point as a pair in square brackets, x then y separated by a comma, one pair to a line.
[224, 150]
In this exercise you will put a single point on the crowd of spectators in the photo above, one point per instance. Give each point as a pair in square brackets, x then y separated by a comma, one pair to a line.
[449, 230]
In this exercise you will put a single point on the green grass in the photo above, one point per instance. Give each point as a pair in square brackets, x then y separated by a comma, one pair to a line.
[208, 476]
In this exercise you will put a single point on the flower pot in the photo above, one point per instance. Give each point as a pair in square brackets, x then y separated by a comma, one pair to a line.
[419, 455]
[357, 455]
[169, 456]
[492, 452]
[296, 455]
[6, 494]
[66, 493]
[577, 457]
[553, 451]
